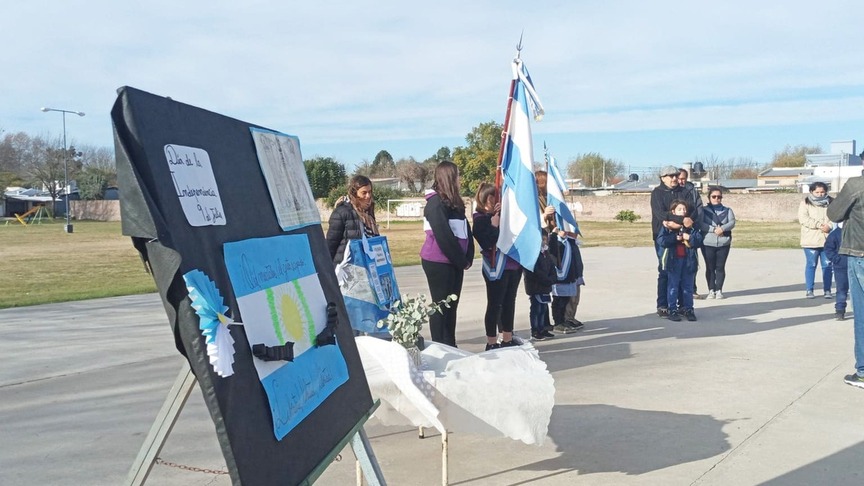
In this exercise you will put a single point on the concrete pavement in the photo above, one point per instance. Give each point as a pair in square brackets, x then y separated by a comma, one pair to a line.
[752, 393]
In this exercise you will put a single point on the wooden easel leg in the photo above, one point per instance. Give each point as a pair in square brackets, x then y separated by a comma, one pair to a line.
[162, 426]
[366, 459]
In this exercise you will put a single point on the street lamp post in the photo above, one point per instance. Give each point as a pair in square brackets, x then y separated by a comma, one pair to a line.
[68, 227]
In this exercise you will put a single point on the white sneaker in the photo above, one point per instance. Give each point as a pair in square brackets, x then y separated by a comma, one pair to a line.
[711, 295]
[718, 295]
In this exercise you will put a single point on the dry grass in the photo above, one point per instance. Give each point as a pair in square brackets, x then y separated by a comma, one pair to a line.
[41, 263]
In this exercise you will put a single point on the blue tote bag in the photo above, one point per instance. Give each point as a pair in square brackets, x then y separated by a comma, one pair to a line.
[368, 283]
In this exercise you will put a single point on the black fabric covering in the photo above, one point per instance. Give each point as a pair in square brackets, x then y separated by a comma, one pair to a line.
[151, 214]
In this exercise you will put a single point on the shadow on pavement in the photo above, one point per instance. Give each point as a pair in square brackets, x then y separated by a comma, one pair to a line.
[843, 467]
[634, 441]
[609, 339]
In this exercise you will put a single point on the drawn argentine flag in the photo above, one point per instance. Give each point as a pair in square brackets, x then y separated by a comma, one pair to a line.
[281, 301]
[519, 231]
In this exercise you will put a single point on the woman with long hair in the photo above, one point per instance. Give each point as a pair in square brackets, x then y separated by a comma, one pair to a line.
[815, 226]
[352, 217]
[716, 224]
[448, 250]
[501, 274]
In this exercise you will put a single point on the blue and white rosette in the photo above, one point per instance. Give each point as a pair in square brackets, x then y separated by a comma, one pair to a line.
[208, 304]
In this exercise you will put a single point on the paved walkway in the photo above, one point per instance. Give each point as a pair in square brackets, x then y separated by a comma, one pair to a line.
[750, 394]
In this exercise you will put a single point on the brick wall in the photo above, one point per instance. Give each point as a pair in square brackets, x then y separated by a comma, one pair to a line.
[747, 207]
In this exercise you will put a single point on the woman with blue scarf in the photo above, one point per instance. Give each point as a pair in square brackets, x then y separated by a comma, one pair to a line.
[815, 226]
[716, 224]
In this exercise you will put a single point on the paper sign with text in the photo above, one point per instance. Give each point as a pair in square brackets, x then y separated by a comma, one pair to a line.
[195, 185]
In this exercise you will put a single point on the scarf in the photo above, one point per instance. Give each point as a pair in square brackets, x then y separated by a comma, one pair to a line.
[715, 213]
[369, 225]
[819, 202]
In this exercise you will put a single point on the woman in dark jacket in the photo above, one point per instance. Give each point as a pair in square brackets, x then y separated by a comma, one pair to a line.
[502, 275]
[351, 218]
[448, 250]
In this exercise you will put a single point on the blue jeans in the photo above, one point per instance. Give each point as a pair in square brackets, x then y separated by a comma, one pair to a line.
[842, 288]
[680, 284]
[662, 279]
[539, 314]
[856, 289]
[814, 255]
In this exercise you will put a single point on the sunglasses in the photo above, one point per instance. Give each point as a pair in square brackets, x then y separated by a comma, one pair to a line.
[716, 197]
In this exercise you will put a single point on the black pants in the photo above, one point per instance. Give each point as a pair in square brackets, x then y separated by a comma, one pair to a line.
[501, 302]
[443, 279]
[715, 265]
[559, 308]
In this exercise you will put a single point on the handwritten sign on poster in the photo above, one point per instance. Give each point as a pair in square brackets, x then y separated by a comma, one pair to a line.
[195, 185]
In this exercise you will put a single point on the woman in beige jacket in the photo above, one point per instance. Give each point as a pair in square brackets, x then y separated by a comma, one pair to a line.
[815, 227]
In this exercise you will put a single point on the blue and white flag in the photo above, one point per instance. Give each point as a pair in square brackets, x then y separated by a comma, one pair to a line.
[555, 188]
[519, 234]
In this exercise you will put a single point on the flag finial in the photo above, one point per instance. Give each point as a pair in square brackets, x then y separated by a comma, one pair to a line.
[519, 45]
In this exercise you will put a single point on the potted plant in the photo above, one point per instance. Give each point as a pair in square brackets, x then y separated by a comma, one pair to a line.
[407, 319]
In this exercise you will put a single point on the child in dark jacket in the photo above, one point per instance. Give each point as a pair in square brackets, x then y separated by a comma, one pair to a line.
[838, 261]
[538, 286]
[565, 292]
[680, 260]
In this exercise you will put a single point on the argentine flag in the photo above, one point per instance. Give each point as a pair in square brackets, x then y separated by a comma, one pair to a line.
[519, 231]
[555, 188]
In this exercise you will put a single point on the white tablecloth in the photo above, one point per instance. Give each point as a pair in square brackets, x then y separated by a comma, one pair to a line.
[504, 391]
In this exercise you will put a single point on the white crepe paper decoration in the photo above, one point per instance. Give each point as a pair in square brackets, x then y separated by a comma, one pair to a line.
[208, 304]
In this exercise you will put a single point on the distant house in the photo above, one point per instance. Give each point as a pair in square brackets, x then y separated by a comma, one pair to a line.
[19, 200]
[782, 177]
[634, 186]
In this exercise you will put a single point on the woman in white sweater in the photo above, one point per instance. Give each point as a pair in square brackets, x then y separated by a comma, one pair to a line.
[815, 226]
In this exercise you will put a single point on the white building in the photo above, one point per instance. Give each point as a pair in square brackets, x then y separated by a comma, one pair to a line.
[834, 168]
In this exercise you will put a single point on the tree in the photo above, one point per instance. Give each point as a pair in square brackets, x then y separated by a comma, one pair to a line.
[12, 171]
[443, 153]
[48, 167]
[594, 169]
[101, 158]
[324, 174]
[92, 182]
[363, 168]
[477, 161]
[740, 168]
[98, 172]
[412, 173]
[383, 165]
[427, 167]
[744, 168]
[794, 156]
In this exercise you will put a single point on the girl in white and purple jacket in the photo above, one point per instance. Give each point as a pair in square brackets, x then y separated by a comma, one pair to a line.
[448, 250]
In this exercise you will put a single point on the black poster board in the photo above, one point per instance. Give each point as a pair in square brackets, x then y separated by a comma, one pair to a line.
[144, 124]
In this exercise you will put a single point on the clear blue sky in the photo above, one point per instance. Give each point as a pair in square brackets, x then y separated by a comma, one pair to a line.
[646, 83]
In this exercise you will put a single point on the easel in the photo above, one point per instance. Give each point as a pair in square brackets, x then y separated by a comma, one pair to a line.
[170, 411]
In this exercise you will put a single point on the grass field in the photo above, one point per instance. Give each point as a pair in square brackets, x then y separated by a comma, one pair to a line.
[41, 264]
